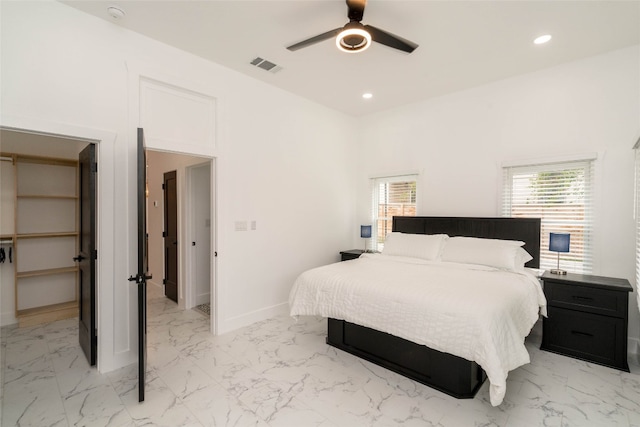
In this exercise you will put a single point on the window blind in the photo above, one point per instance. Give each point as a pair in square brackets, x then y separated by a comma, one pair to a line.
[391, 196]
[561, 194]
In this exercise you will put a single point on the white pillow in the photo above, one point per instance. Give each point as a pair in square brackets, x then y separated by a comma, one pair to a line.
[522, 257]
[506, 254]
[424, 246]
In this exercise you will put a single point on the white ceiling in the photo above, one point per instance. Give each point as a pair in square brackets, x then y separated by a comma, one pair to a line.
[462, 43]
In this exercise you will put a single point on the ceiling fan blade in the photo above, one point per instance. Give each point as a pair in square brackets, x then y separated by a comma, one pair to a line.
[356, 9]
[390, 40]
[316, 39]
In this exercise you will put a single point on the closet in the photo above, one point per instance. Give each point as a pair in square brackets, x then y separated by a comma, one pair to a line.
[44, 238]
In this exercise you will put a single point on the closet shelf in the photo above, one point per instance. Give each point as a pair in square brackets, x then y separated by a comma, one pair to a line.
[41, 235]
[47, 313]
[46, 272]
[46, 160]
[47, 197]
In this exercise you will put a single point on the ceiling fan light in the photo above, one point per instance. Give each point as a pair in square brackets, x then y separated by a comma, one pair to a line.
[353, 40]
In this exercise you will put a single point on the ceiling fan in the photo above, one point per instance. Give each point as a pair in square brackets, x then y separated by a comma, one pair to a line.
[355, 37]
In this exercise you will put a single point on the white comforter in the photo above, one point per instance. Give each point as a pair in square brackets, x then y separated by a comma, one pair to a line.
[479, 313]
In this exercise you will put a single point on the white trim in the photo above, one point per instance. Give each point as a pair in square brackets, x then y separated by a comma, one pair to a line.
[246, 319]
[396, 175]
[49, 134]
[633, 349]
[190, 261]
[549, 160]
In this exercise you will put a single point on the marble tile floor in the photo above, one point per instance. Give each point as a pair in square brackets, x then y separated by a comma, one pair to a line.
[280, 372]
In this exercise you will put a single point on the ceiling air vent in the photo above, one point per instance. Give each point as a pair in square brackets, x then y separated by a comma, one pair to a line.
[266, 65]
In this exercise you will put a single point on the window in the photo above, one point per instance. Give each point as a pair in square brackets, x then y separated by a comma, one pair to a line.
[561, 194]
[391, 196]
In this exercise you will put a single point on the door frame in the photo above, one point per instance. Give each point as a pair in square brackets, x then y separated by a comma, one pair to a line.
[190, 291]
[105, 142]
[141, 75]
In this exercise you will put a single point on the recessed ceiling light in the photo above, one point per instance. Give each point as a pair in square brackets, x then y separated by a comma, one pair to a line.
[542, 39]
[115, 12]
[367, 95]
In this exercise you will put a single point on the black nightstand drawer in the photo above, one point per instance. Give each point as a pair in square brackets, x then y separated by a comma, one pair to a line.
[350, 254]
[588, 299]
[593, 337]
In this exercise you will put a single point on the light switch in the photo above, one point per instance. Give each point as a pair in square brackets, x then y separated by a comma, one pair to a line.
[241, 225]
[253, 224]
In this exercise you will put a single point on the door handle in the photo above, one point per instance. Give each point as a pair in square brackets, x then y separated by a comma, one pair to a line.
[78, 258]
[138, 278]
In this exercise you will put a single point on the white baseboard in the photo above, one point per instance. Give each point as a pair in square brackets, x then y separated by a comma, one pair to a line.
[151, 282]
[202, 298]
[633, 351]
[237, 322]
[7, 319]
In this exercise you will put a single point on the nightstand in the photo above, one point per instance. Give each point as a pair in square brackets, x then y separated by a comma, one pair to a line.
[351, 254]
[587, 318]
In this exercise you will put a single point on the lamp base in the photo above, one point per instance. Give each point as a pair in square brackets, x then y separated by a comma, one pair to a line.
[558, 271]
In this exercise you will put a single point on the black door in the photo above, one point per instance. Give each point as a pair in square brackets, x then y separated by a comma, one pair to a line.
[142, 276]
[170, 235]
[86, 259]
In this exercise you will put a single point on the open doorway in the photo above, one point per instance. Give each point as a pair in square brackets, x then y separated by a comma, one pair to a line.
[48, 225]
[182, 183]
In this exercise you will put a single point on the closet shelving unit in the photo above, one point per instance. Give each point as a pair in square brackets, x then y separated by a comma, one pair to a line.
[45, 238]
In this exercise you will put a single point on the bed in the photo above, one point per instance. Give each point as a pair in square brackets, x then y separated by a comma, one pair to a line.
[379, 309]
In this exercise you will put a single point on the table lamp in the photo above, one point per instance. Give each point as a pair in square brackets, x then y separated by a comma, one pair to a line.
[559, 242]
[365, 233]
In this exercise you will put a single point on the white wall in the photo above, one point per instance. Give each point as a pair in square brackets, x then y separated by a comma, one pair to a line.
[282, 160]
[459, 141]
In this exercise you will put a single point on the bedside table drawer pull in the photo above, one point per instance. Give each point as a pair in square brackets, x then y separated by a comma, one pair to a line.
[580, 298]
[586, 334]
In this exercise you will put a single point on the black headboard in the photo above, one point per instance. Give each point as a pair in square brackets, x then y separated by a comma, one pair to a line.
[526, 230]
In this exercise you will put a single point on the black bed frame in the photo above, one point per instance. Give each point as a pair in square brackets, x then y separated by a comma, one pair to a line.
[450, 374]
